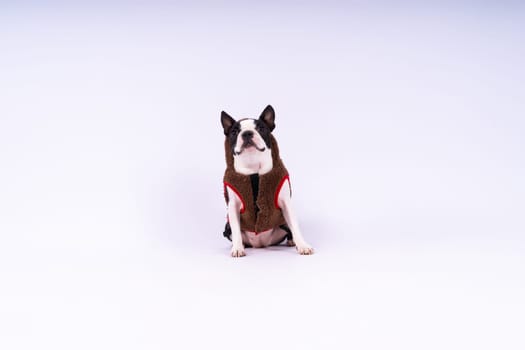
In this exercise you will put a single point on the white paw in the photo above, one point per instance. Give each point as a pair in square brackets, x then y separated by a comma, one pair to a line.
[237, 252]
[304, 249]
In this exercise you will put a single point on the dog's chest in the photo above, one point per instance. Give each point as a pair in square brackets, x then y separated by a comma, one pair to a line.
[253, 162]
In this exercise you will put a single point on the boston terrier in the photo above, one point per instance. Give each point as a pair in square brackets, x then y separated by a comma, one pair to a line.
[257, 187]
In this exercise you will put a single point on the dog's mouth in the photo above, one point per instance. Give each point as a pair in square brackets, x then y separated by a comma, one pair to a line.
[248, 144]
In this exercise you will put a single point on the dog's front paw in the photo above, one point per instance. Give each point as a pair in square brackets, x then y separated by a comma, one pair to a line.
[237, 252]
[304, 249]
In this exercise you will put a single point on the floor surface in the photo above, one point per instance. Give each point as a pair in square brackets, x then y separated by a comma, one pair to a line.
[401, 125]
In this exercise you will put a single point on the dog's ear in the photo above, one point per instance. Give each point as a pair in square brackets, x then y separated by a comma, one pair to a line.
[268, 117]
[226, 122]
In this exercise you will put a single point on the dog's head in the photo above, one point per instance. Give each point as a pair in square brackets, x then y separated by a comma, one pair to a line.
[249, 135]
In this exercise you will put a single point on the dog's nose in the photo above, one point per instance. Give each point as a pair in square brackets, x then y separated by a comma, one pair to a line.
[247, 135]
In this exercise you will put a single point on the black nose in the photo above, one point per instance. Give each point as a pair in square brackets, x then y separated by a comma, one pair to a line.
[247, 135]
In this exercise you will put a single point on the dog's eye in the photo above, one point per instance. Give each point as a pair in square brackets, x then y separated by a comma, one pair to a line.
[260, 127]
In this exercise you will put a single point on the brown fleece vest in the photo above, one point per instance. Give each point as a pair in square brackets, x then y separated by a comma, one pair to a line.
[259, 212]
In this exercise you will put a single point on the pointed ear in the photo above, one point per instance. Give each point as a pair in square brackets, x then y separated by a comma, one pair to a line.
[226, 122]
[268, 117]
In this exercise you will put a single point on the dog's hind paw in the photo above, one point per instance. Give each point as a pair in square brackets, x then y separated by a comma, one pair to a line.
[305, 249]
[290, 243]
[238, 252]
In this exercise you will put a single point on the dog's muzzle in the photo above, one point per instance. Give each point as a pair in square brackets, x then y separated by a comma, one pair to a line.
[247, 141]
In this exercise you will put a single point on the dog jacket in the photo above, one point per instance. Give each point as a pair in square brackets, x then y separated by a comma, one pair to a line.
[258, 193]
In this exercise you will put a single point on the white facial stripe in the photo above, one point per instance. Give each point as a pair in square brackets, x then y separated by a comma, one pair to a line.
[249, 125]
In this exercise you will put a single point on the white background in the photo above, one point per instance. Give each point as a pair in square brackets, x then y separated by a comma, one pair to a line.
[401, 124]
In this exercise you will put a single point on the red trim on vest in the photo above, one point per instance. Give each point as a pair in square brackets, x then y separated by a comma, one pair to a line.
[276, 198]
[227, 184]
[258, 233]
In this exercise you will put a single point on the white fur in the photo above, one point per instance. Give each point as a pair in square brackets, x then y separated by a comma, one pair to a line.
[249, 125]
[252, 161]
[285, 203]
[234, 209]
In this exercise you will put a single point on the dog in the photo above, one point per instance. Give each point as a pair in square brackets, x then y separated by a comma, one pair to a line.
[257, 187]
